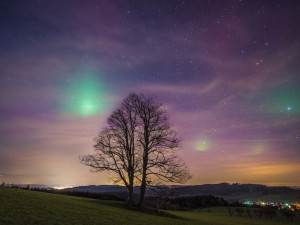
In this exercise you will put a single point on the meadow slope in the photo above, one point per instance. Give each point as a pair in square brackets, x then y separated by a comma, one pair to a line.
[19, 207]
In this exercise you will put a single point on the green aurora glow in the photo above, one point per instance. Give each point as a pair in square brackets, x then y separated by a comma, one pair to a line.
[283, 101]
[84, 96]
[202, 145]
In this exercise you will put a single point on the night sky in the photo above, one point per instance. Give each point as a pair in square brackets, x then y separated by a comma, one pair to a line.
[227, 72]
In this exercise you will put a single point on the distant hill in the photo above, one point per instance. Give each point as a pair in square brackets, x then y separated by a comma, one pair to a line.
[233, 191]
[99, 188]
[230, 192]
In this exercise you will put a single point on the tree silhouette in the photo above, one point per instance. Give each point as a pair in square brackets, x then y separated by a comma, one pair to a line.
[115, 147]
[138, 145]
[159, 145]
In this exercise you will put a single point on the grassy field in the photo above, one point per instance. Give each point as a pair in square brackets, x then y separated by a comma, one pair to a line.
[23, 207]
[220, 216]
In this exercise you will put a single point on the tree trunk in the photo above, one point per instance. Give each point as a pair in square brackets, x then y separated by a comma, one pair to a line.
[142, 194]
[143, 183]
[130, 196]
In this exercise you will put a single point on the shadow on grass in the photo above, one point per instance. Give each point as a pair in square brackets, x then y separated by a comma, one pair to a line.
[146, 210]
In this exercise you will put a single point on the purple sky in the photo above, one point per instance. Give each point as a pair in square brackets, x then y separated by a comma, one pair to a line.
[226, 71]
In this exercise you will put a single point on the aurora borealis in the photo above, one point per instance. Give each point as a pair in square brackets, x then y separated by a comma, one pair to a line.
[84, 95]
[227, 72]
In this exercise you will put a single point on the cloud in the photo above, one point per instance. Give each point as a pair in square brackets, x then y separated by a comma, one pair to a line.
[180, 89]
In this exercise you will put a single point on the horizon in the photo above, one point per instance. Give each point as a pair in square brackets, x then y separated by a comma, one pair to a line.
[56, 186]
[226, 72]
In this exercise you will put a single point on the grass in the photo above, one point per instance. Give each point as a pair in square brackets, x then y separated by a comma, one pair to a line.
[220, 216]
[20, 207]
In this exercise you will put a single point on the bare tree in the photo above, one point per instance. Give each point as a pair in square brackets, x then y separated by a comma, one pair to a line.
[158, 147]
[138, 145]
[115, 146]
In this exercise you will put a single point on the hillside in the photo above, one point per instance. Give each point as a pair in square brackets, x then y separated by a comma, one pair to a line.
[19, 207]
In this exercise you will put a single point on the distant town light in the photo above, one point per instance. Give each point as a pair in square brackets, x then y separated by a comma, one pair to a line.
[61, 188]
